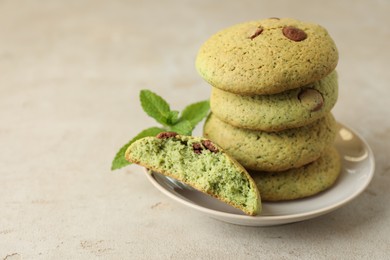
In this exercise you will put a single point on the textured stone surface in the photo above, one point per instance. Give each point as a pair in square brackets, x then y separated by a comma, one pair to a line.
[70, 75]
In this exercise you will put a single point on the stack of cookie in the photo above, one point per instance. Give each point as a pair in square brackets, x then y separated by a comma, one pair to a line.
[273, 87]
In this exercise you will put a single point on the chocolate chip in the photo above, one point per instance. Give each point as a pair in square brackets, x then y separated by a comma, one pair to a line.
[210, 146]
[197, 148]
[165, 135]
[294, 33]
[274, 18]
[311, 99]
[256, 33]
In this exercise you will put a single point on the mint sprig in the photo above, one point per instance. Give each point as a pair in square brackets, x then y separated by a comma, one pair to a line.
[171, 120]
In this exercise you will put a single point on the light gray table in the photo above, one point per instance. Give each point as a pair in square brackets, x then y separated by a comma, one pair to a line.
[70, 74]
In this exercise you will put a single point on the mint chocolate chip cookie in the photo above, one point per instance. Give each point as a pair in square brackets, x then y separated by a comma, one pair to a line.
[267, 56]
[301, 182]
[272, 151]
[199, 163]
[289, 109]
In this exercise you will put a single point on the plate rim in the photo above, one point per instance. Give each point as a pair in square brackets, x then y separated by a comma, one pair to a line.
[290, 217]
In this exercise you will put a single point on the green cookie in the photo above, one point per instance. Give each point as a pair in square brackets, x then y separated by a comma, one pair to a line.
[289, 109]
[300, 182]
[199, 163]
[272, 151]
[267, 56]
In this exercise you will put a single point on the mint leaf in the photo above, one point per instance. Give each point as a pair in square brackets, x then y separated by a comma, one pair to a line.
[155, 106]
[196, 112]
[173, 117]
[183, 127]
[119, 160]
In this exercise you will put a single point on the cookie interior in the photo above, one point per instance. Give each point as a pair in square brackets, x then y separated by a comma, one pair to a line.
[200, 165]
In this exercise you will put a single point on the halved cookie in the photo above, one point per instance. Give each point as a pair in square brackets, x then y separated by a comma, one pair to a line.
[199, 163]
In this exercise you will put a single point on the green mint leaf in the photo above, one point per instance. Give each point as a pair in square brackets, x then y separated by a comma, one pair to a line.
[119, 160]
[155, 106]
[183, 127]
[196, 112]
[173, 117]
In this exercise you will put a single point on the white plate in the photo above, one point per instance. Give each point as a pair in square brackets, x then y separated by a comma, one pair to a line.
[356, 173]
